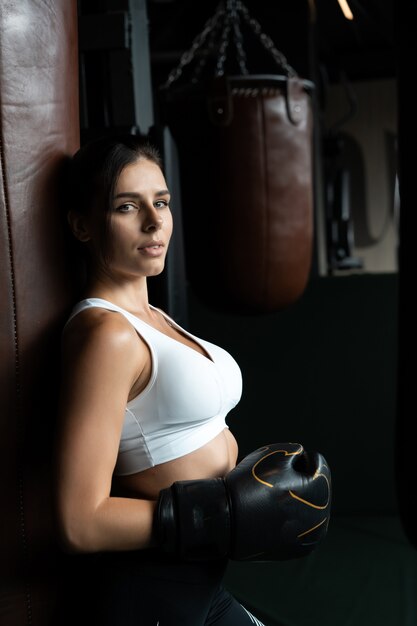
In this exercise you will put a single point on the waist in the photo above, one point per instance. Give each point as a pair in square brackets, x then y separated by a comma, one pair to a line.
[215, 458]
[141, 448]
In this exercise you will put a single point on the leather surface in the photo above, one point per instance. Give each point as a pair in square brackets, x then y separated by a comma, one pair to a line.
[274, 505]
[246, 159]
[38, 127]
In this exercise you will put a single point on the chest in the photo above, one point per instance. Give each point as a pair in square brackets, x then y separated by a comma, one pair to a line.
[185, 385]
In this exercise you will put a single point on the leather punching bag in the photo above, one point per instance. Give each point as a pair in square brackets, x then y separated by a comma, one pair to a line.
[246, 166]
[38, 128]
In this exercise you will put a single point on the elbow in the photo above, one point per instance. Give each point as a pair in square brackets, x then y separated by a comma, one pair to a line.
[75, 536]
[72, 543]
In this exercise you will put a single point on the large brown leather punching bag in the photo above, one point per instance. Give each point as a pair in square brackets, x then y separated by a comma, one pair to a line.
[245, 143]
[246, 163]
[38, 128]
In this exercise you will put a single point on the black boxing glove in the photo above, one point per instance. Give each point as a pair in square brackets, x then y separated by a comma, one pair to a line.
[274, 505]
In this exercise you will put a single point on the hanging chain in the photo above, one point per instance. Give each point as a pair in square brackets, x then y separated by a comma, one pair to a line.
[207, 52]
[189, 55]
[231, 24]
[267, 42]
[229, 10]
[221, 60]
[238, 39]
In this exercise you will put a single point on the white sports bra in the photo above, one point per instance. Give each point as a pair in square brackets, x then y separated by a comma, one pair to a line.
[185, 402]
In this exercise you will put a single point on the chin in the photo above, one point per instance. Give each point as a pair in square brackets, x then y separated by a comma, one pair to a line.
[155, 271]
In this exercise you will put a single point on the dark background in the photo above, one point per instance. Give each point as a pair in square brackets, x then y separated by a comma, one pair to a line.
[334, 370]
[330, 370]
[316, 38]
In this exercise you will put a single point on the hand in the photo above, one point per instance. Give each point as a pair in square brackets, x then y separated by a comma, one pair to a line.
[274, 505]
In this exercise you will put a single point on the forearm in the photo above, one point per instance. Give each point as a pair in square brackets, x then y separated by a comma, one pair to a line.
[116, 524]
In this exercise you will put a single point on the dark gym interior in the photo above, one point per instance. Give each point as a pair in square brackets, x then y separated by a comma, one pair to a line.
[324, 350]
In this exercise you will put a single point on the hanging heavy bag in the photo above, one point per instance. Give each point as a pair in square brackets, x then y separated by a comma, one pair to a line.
[245, 148]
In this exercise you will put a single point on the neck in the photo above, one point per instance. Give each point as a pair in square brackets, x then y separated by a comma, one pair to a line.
[129, 295]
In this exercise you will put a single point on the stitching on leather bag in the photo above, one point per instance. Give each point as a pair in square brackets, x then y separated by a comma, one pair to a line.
[17, 376]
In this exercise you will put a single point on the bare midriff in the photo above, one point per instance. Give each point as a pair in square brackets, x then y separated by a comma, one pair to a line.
[215, 458]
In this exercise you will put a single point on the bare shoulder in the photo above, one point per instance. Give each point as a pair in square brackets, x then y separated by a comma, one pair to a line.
[102, 332]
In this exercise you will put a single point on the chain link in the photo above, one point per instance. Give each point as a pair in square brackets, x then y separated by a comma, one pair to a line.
[238, 41]
[212, 44]
[198, 41]
[229, 10]
[221, 60]
[267, 42]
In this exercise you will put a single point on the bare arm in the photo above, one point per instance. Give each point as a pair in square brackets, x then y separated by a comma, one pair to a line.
[101, 360]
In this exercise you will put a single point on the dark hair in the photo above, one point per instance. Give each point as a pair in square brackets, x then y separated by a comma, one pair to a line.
[94, 170]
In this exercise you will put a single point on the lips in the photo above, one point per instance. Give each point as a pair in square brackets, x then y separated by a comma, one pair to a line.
[154, 245]
[152, 249]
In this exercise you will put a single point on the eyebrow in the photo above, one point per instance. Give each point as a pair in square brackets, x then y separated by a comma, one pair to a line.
[133, 194]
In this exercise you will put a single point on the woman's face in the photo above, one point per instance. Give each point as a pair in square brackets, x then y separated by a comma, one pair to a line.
[140, 222]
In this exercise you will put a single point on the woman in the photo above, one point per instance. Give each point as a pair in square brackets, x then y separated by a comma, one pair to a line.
[143, 407]
[106, 498]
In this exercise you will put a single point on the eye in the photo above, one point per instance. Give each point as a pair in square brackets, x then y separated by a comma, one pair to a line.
[161, 204]
[126, 207]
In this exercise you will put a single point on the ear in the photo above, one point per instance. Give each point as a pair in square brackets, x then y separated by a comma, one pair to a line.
[78, 225]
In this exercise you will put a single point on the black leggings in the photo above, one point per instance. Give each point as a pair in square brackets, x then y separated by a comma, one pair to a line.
[145, 588]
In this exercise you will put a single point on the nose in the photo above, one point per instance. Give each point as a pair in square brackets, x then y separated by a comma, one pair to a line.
[153, 220]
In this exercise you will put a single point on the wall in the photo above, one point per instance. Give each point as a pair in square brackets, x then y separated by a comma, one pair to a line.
[370, 135]
[323, 373]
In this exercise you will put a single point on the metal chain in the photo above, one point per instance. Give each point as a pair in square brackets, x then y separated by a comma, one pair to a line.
[198, 41]
[221, 60]
[267, 42]
[233, 20]
[228, 10]
[207, 52]
[238, 41]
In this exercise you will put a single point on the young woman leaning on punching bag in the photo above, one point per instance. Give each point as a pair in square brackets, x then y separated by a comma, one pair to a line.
[148, 490]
